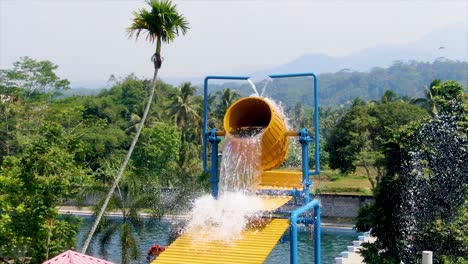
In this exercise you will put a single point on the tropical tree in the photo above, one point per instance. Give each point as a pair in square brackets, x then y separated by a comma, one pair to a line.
[162, 23]
[31, 185]
[358, 139]
[389, 96]
[226, 98]
[183, 108]
[156, 156]
[428, 102]
[128, 200]
[421, 203]
[31, 78]
[298, 116]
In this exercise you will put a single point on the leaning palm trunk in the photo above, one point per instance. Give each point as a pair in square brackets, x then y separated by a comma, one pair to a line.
[124, 164]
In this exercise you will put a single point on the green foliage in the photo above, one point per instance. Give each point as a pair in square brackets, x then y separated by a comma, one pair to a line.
[404, 78]
[32, 183]
[372, 253]
[134, 194]
[450, 236]
[46, 142]
[428, 160]
[183, 109]
[30, 78]
[157, 154]
[359, 138]
[226, 98]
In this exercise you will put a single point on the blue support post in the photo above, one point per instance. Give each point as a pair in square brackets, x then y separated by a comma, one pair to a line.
[293, 244]
[316, 127]
[317, 239]
[305, 139]
[294, 257]
[214, 180]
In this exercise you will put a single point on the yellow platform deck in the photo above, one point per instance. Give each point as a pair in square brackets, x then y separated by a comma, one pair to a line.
[281, 180]
[253, 246]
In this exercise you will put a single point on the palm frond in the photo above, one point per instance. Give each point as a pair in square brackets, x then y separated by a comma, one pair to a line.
[106, 236]
[162, 21]
[130, 249]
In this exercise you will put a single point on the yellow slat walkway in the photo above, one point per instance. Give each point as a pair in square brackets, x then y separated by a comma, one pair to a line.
[254, 246]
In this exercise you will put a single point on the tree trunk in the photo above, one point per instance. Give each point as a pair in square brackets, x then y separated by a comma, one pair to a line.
[369, 176]
[124, 165]
[379, 174]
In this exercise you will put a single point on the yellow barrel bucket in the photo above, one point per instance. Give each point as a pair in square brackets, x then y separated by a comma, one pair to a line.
[257, 112]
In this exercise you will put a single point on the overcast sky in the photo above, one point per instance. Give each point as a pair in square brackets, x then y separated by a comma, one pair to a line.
[87, 38]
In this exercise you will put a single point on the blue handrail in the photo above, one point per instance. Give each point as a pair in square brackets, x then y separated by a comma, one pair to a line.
[294, 231]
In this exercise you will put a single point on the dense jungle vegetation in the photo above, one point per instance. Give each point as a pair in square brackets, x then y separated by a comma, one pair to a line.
[55, 149]
[406, 79]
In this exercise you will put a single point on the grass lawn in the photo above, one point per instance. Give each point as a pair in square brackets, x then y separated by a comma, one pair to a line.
[332, 182]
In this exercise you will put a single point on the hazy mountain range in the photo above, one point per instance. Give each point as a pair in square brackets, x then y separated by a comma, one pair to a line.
[450, 42]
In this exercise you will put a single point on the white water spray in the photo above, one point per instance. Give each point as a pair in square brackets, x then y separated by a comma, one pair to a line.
[254, 87]
[264, 86]
[224, 219]
[240, 164]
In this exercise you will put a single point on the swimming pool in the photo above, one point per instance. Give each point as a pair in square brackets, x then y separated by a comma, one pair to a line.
[334, 241]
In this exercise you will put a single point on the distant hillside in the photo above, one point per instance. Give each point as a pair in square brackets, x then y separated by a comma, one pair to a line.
[405, 78]
[450, 42]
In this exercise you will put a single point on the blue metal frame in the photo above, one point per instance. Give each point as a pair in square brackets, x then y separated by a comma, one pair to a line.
[316, 114]
[295, 220]
[214, 179]
[205, 111]
[304, 139]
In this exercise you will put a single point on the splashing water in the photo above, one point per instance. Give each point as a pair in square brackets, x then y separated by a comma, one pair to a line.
[264, 86]
[279, 108]
[240, 164]
[434, 180]
[223, 219]
[254, 87]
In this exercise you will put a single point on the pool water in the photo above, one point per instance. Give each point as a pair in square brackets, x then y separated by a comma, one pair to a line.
[334, 241]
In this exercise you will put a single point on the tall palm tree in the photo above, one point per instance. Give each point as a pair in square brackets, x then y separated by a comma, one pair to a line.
[161, 24]
[183, 108]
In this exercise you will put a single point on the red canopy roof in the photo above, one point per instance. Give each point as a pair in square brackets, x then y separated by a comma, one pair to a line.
[72, 257]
